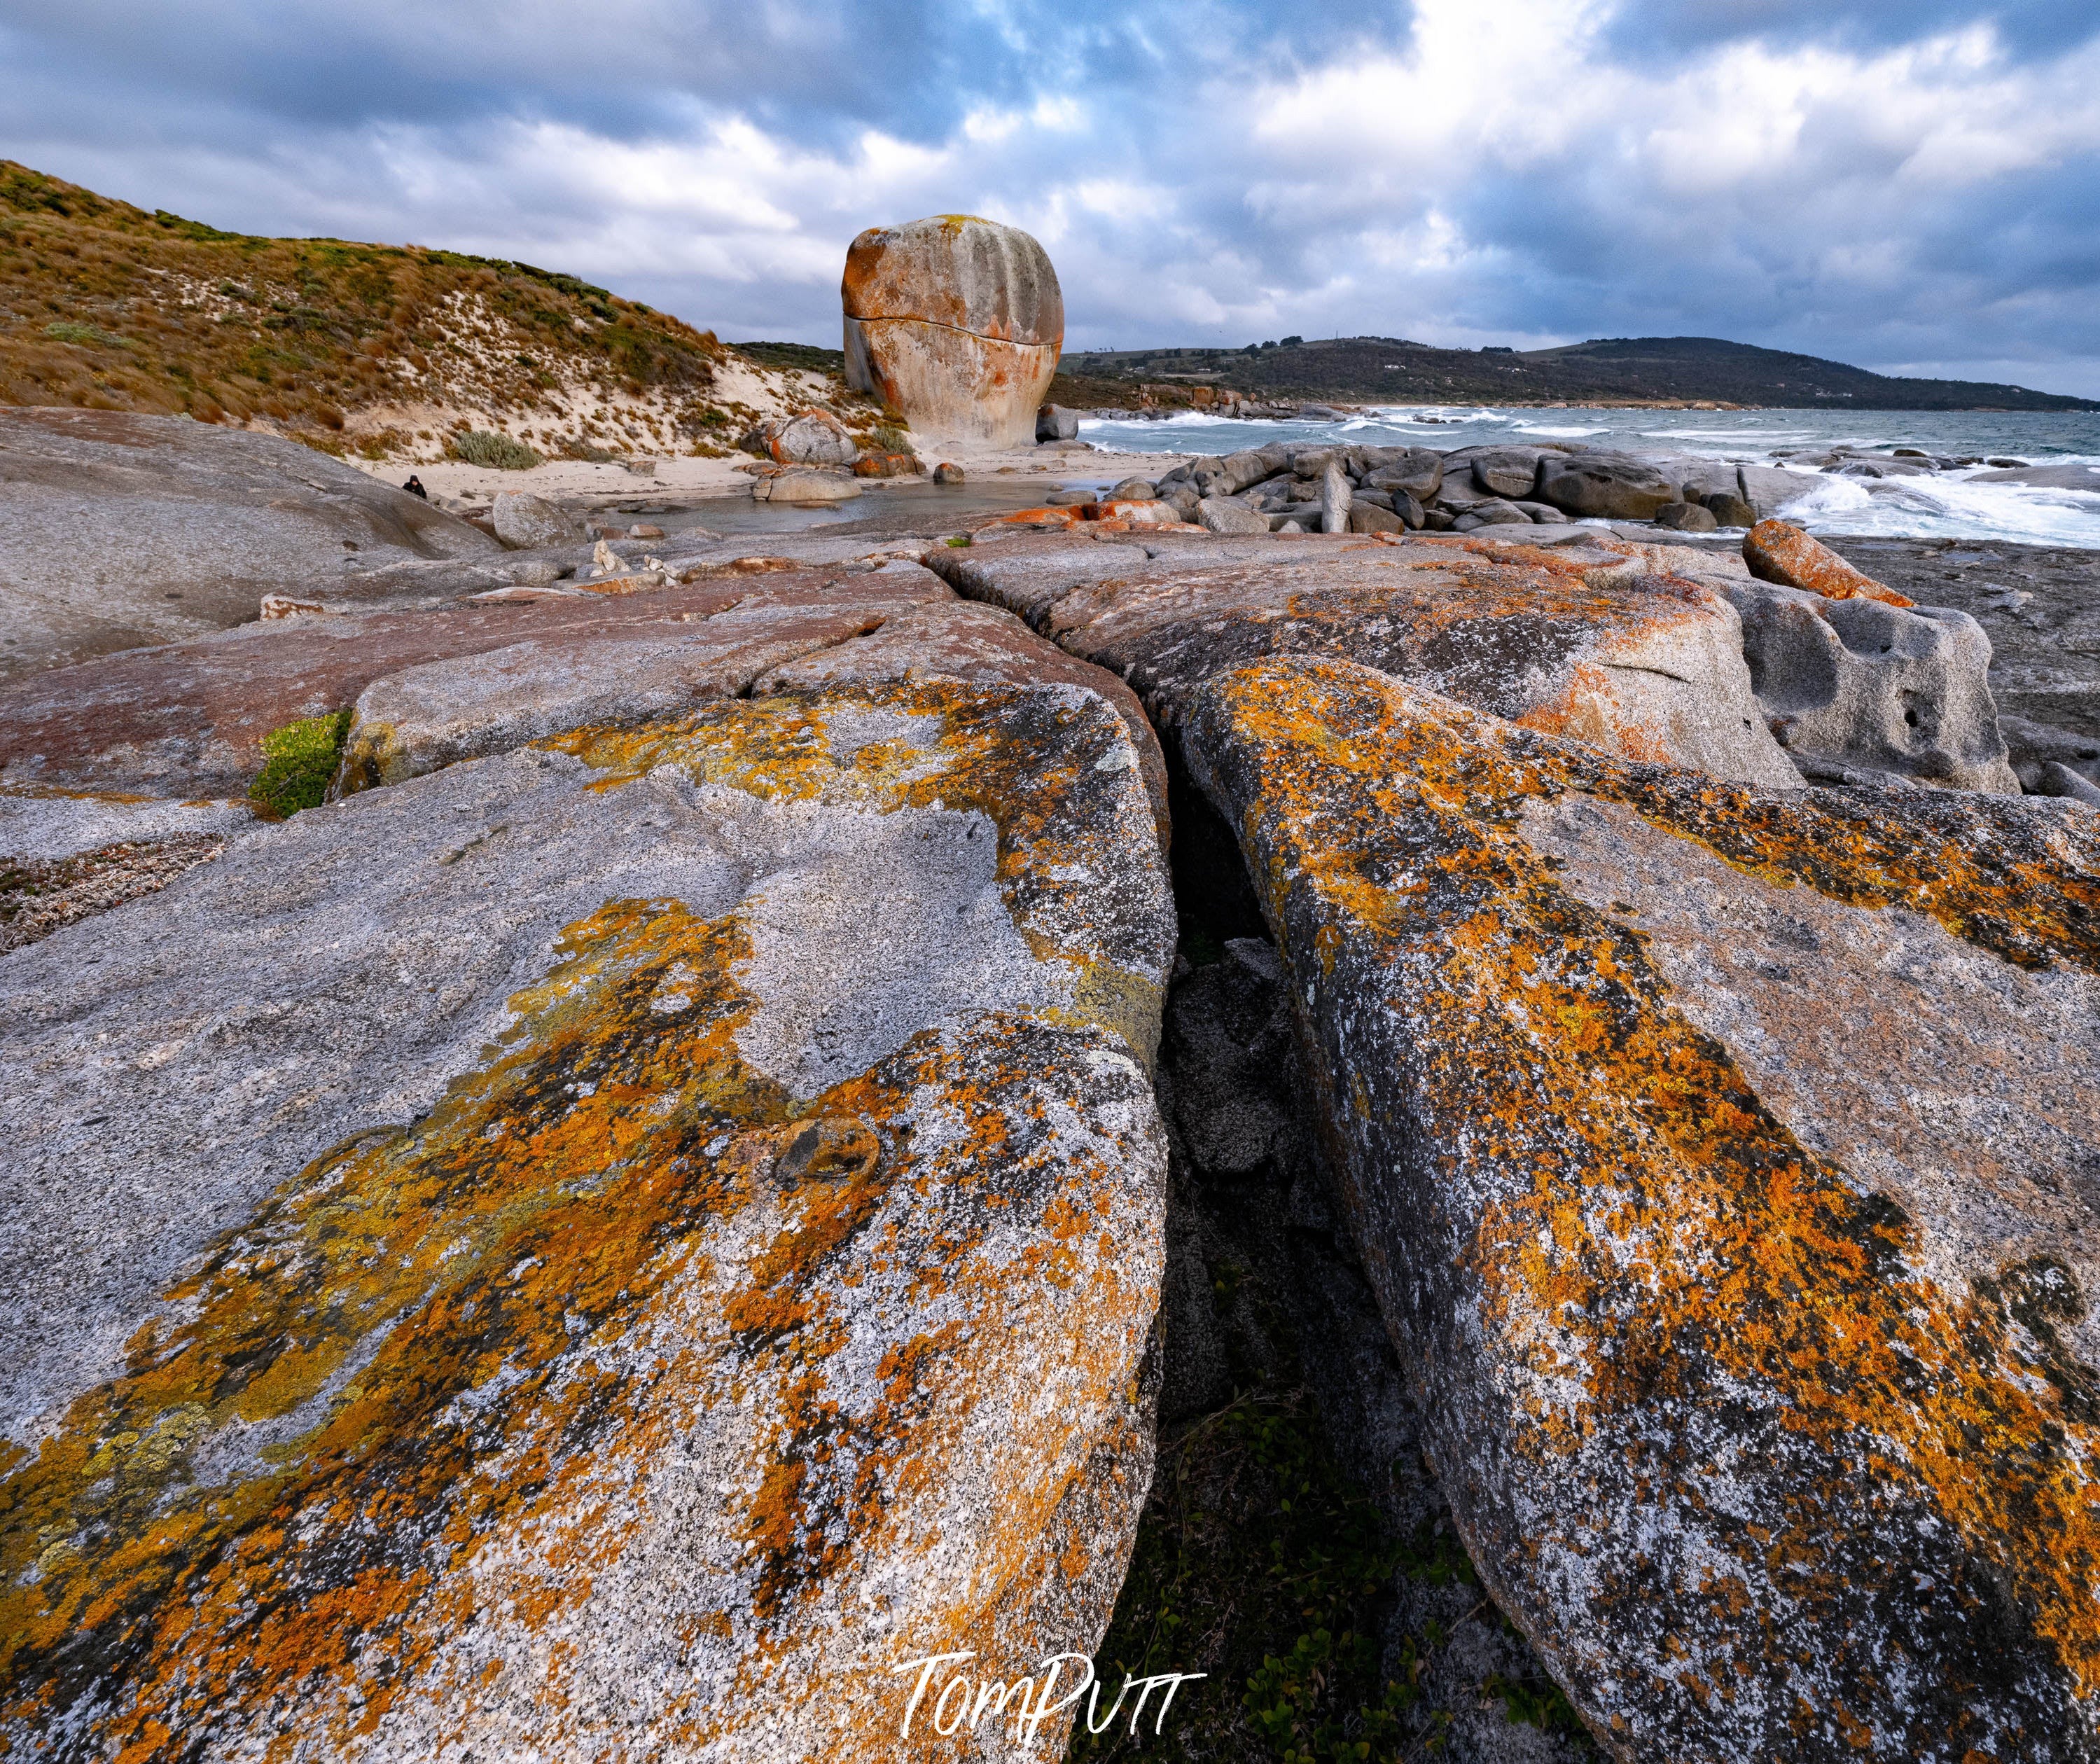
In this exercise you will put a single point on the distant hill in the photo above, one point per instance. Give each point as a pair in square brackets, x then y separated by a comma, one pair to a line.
[377, 351]
[1646, 370]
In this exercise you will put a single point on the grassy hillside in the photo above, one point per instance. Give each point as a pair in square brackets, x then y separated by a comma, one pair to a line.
[1651, 370]
[382, 351]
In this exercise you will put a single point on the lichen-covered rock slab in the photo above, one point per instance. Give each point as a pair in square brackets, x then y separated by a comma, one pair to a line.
[596, 1252]
[955, 321]
[187, 719]
[1723, 1161]
[1598, 641]
[118, 529]
[461, 708]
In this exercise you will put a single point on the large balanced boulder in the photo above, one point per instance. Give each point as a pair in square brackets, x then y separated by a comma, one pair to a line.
[1724, 1162]
[955, 321]
[117, 530]
[600, 1251]
[1600, 641]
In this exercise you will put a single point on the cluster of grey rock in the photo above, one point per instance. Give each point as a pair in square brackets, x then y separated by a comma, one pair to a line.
[1893, 462]
[1322, 488]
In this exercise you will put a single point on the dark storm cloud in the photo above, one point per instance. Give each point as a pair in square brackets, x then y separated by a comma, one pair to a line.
[1911, 183]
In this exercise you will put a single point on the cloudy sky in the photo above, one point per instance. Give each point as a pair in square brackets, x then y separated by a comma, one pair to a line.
[1913, 185]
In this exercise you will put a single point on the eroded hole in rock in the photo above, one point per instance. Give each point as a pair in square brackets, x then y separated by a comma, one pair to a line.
[1296, 1546]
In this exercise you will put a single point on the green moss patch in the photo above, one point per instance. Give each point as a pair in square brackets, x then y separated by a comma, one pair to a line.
[298, 762]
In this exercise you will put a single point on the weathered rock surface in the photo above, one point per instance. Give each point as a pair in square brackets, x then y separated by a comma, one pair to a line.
[1598, 641]
[1769, 488]
[187, 719]
[2039, 605]
[1611, 487]
[804, 438]
[899, 624]
[1894, 690]
[118, 530]
[1778, 552]
[1724, 1162]
[47, 824]
[957, 322]
[1229, 514]
[525, 523]
[66, 855]
[964, 641]
[805, 483]
[600, 1251]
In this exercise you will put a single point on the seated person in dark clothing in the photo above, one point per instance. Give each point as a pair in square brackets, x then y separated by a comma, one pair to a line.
[414, 486]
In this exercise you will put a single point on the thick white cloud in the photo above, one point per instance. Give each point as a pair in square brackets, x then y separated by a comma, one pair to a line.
[1533, 171]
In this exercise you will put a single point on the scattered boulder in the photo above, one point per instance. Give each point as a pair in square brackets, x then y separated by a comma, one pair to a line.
[1510, 472]
[1053, 422]
[948, 472]
[1899, 690]
[118, 531]
[1419, 472]
[1777, 552]
[1701, 479]
[1729, 509]
[798, 483]
[1229, 514]
[525, 523]
[649, 1200]
[1492, 512]
[2031, 746]
[802, 437]
[1611, 487]
[956, 322]
[1369, 517]
[1335, 498]
[2058, 779]
[1133, 490]
[1686, 518]
[1721, 1159]
[881, 464]
[1768, 488]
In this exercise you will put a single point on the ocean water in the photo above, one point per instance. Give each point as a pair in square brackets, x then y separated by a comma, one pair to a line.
[1948, 505]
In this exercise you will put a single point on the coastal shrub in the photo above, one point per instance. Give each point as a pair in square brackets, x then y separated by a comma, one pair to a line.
[480, 446]
[67, 331]
[587, 450]
[299, 759]
[890, 440]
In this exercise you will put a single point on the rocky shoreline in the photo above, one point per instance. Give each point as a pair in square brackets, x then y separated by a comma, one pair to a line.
[1424, 1102]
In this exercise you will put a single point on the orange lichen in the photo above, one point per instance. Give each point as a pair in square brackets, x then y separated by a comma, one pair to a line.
[416, 1393]
[1777, 551]
[1675, 1289]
